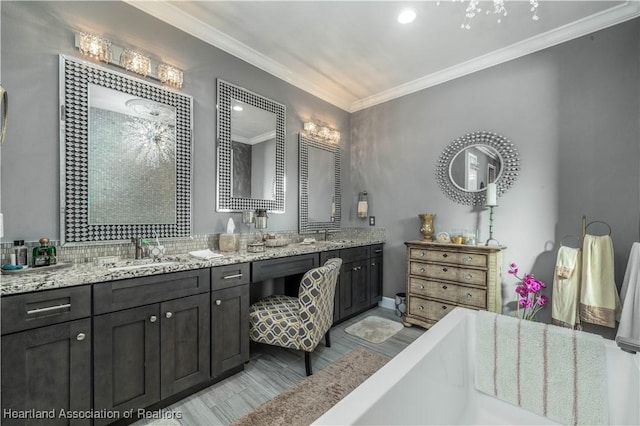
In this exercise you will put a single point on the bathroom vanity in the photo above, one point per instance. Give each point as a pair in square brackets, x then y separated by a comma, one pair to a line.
[107, 341]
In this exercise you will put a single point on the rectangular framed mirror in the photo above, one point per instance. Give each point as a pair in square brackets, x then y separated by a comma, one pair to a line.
[319, 183]
[125, 156]
[251, 151]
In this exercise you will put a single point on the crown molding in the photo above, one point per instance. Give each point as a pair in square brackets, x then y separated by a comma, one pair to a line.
[584, 26]
[172, 15]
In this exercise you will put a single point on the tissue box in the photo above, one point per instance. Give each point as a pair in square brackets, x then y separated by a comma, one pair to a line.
[229, 242]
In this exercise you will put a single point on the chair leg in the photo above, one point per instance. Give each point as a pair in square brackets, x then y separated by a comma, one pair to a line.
[307, 362]
[327, 340]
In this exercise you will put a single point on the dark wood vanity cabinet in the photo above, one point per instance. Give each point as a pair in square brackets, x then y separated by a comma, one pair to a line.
[229, 317]
[46, 366]
[148, 353]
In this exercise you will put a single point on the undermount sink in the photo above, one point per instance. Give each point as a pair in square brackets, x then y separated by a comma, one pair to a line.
[143, 266]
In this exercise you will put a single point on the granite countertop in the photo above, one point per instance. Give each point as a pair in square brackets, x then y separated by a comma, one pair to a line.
[88, 273]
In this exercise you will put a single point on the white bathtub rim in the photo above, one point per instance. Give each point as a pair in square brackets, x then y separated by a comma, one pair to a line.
[351, 408]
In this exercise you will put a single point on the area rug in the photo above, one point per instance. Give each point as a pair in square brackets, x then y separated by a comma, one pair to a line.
[311, 398]
[374, 329]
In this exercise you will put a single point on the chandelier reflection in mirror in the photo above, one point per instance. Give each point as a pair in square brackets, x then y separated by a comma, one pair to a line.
[150, 133]
[322, 132]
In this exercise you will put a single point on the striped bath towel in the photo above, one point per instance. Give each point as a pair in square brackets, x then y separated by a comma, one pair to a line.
[552, 371]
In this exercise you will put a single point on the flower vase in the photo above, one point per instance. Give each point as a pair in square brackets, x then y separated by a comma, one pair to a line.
[426, 226]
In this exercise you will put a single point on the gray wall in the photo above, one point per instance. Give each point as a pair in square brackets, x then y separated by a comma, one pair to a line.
[573, 113]
[35, 33]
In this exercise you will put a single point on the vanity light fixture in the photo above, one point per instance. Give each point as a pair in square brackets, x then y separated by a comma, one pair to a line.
[101, 49]
[168, 74]
[95, 46]
[135, 61]
[321, 132]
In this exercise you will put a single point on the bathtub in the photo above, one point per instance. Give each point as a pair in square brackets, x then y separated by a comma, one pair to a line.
[432, 382]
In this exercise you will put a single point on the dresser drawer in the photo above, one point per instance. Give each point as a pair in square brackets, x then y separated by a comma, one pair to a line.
[452, 273]
[447, 292]
[31, 310]
[429, 309]
[458, 258]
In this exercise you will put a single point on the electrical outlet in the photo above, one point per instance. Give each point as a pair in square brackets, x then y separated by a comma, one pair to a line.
[372, 221]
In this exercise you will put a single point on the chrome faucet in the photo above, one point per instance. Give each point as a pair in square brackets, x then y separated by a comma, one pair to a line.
[137, 244]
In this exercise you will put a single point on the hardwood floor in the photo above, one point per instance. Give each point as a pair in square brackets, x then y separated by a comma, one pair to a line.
[273, 370]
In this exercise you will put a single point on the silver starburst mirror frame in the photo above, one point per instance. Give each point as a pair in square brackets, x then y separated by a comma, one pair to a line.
[506, 174]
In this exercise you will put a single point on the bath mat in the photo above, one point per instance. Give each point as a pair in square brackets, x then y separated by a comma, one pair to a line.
[374, 329]
[315, 395]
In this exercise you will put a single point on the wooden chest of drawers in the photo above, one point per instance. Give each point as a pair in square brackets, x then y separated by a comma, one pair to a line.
[443, 276]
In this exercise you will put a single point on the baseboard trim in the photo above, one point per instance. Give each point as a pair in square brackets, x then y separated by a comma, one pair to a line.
[387, 302]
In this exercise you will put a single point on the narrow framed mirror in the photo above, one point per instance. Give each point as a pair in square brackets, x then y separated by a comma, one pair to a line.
[251, 151]
[125, 156]
[319, 184]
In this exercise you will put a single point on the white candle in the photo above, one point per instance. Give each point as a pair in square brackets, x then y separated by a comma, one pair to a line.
[492, 199]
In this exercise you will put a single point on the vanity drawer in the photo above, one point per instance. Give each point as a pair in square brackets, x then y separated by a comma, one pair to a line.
[284, 266]
[123, 294]
[230, 276]
[355, 253]
[32, 310]
[448, 292]
[450, 273]
[429, 309]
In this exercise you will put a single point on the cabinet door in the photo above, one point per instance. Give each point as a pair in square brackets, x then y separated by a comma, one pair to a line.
[184, 343]
[47, 368]
[127, 359]
[361, 286]
[229, 328]
[375, 280]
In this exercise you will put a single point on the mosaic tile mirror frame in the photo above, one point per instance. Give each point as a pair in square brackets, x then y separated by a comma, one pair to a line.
[147, 173]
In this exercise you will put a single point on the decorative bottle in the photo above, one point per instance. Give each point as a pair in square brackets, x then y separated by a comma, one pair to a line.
[44, 255]
[21, 252]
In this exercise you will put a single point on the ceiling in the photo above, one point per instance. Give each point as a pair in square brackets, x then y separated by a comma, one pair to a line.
[354, 54]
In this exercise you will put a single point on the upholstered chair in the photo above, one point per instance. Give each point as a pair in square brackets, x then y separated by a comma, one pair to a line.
[298, 322]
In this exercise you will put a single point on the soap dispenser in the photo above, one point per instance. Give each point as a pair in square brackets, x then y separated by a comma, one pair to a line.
[44, 255]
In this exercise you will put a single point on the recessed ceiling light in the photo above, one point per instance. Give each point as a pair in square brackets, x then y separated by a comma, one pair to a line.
[406, 16]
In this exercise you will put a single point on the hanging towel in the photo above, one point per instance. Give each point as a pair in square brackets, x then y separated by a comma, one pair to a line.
[566, 288]
[628, 337]
[599, 299]
[552, 371]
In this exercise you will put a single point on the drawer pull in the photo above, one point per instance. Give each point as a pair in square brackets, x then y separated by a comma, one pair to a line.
[445, 255]
[444, 287]
[469, 296]
[469, 259]
[421, 287]
[444, 307]
[229, 277]
[218, 302]
[422, 270]
[421, 307]
[153, 318]
[468, 277]
[357, 268]
[168, 314]
[377, 251]
[444, 269]
[421, 254]
[48, 308]
[80, 336]
[373, 264]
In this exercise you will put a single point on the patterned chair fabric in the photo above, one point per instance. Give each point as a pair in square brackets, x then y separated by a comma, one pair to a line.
[298, 323]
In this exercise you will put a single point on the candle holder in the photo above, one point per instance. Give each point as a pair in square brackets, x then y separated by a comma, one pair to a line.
[491, 207]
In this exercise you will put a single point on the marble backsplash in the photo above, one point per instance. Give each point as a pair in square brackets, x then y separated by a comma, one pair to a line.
[84, 253]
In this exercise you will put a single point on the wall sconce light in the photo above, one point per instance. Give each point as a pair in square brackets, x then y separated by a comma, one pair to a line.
[321, 132]
[95, 46]
[135, 61]
[102, 49]
[168, 74]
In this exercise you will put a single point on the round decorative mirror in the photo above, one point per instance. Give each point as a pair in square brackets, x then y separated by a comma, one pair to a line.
[471, 162]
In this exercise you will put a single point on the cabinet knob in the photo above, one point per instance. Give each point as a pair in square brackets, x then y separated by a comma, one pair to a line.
[373, 264]
[444, 307]
[422, 253]
[444, 287]
[445, 255]
[469, 259]
[153, 318]
[468, 277]
[421, 287]
[469, 296]
[445, 269]
[421, 307]
[168, 314]
[421, 269]
[218, 302]
[80, 336]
